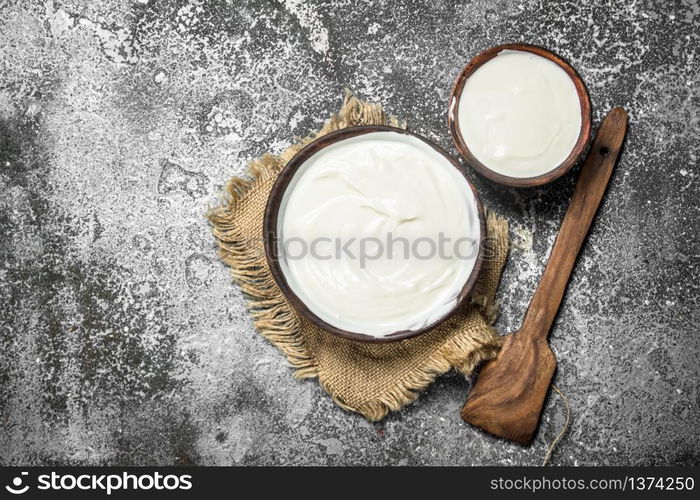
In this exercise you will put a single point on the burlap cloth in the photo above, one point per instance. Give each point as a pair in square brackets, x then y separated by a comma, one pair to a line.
[371, 379]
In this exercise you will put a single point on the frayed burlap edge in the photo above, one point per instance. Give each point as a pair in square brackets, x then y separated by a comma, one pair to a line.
[272, 315]
[485, 299]
[458, 353]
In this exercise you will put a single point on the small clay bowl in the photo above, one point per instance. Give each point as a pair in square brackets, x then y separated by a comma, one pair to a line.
[453, 117]
[270, 234]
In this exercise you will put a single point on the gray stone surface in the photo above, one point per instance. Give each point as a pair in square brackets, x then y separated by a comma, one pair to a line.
[122, 339]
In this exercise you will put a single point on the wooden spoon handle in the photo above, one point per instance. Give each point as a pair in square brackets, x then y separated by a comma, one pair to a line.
[584, 204]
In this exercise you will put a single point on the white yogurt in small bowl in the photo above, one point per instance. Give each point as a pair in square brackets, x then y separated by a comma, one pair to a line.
[374, 233]
[520, 115]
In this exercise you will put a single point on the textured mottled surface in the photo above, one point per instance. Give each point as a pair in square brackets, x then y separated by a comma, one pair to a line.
[122, 340]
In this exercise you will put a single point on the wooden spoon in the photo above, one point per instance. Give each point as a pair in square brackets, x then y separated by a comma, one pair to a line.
[508, 396]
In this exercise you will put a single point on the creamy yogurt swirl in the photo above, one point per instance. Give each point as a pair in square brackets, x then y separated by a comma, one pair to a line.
[519, 114]
[358, 194]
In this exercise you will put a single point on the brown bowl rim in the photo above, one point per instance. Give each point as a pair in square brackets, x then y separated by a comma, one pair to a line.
[453, 118]
[270, 232]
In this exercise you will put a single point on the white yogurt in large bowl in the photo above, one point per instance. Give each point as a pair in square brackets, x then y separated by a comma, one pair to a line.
[377, 234]
[519, 115]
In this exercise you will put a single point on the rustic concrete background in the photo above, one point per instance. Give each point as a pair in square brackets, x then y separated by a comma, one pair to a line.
[122, 339]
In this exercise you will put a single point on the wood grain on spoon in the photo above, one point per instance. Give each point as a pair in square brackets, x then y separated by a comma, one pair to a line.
[509, 393]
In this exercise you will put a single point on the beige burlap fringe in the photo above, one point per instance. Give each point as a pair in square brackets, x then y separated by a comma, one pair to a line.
[371, 379]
